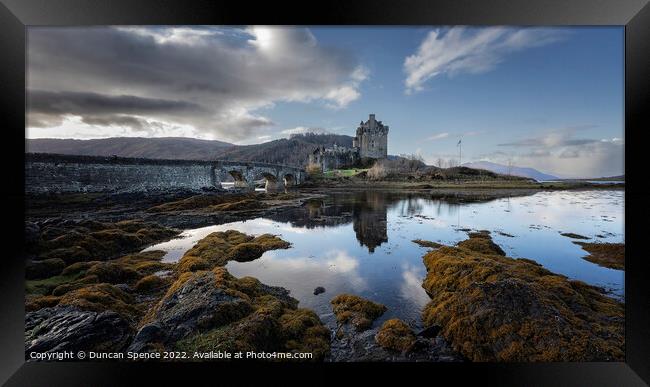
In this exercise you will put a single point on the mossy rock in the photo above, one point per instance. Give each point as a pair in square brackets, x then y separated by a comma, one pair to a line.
[102, 297]
[191, 263]
[246, 204]
[44, 269]
[429, 244]
[70, 254]
[495, 308]
[46, 286]
[481, 242]
[256, 332]
[396, 335]
[149, 283]
[100, 242]
[74, 284]
[113, 272]
[302, 331]
[38, 302]
[200, 202]
[78, 268]
[218, 311]
[218, 248]
[610, 255]
[356, 310]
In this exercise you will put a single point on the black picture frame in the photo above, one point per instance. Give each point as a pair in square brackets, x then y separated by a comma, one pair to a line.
[15, 15]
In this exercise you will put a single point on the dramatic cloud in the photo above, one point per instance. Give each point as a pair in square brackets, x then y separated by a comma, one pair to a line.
[210, 81]
[469, 50]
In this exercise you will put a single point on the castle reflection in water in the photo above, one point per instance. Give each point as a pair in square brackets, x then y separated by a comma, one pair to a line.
[366, 210]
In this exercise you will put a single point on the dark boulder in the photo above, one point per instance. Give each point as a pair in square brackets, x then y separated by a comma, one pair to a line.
[67, 328]
[196, 304]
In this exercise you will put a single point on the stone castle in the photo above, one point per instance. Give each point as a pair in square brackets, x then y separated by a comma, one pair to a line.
[370, 142]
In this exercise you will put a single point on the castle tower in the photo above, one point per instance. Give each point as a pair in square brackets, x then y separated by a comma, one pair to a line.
[372, 139]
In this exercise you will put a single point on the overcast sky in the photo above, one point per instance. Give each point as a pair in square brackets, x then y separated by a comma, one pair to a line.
[547, 98]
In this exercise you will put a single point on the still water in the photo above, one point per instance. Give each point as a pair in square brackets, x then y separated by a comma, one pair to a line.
[361, 243]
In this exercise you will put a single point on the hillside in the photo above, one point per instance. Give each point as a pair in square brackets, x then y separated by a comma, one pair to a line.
[292, 151]
[512, 170]
[153, 148]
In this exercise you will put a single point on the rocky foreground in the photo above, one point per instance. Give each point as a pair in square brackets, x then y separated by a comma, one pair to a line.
[89, 288]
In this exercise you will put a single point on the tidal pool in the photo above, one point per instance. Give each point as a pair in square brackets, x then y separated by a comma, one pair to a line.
[361, 242]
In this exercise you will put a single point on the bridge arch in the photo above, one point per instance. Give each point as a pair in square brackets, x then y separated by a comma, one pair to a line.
[272, 183]
[239, 178]
[289, 180]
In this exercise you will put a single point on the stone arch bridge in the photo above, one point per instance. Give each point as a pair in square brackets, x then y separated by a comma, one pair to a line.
[68, 173]
[245, 174]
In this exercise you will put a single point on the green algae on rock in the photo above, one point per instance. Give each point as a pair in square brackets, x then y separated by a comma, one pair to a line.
[356, 310]
[496, 308]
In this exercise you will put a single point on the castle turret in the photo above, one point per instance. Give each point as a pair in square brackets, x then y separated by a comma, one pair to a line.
[372, 139]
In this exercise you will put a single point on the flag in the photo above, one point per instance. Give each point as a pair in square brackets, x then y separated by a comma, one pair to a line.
[459, 142]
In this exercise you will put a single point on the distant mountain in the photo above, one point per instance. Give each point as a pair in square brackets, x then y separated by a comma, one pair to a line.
[292, 151]
[513, 170]
[153, 148]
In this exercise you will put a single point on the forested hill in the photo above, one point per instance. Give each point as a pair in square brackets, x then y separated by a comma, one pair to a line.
[292, 151]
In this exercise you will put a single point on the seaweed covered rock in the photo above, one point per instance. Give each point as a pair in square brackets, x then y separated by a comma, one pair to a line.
[481, 242]
[429, 244]
[127, 269]
[196, 301]
[68, 328]
[350, 345]
[88, 240]
[610, 255]
[496, 308]
[102, 297]
[270, 328]
[208, 311]
[44, 269]
[218, 248]
[246, 204]
[396, 335]
[356, 310]
[149, 283]
[203, 202]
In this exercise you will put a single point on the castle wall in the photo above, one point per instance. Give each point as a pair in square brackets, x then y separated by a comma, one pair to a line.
[374, 144]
